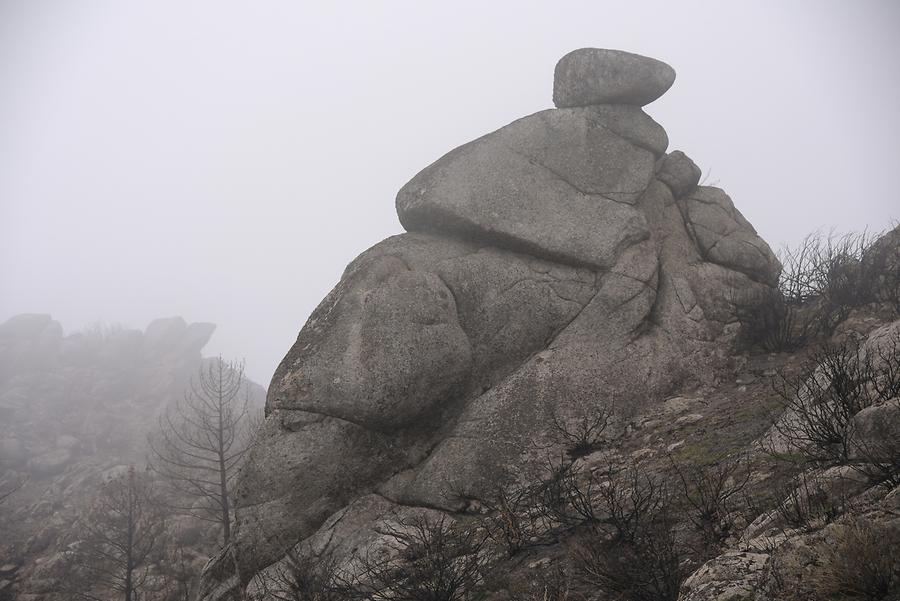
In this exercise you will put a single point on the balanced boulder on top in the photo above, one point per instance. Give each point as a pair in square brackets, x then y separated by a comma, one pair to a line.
[598, 76]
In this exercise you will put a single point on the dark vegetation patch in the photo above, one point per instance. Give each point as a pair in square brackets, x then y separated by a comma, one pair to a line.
[822, 280]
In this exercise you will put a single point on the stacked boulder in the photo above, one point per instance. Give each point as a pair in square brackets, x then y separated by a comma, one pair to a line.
[562, 261]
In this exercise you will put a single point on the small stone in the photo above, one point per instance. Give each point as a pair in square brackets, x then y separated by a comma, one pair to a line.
[677, 404]
[545, 561]
[876, 431]
[674, 446]
[642, 454]
[690, 418]
[598, 76]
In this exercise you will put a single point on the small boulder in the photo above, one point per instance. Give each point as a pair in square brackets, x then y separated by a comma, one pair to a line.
[729, 577]
[876, 431]
[690, 418]
[25, 326]
[163, 334]
[678, 172]
[195, 338]
[598, 76]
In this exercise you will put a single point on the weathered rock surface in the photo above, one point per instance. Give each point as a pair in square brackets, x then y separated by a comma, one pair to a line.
[882, 261]
[599, 76]
[876, 431]
[559, 261]
[559, 184]
[730, 577]
[725, 237]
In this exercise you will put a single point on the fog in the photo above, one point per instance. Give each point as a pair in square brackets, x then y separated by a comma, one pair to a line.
[224, 161]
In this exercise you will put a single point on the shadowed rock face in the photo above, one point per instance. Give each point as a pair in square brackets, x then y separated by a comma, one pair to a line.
[560, 261]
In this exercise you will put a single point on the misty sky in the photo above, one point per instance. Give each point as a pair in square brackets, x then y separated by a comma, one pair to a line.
[224, 161]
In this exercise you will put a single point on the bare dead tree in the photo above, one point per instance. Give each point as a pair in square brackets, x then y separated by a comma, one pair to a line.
[201, 441]
[119, 538]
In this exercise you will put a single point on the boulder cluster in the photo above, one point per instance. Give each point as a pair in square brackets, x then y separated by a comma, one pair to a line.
[63, 398]
[564, 260]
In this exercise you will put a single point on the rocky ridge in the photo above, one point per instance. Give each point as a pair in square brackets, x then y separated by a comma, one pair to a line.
[74, 410]
[561, 261]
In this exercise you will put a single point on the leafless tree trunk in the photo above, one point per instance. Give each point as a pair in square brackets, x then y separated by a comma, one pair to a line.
[119, 537]
[200, 443]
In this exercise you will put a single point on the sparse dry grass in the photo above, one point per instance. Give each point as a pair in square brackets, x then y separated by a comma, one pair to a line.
[861, 562]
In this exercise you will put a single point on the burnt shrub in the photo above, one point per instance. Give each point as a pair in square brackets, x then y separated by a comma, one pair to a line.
[513, 519]
[714, 495]
[303, 576]
[627, 545]
[808, 500]
[823, 278]
[585, 434]
[836, 383]
[430, 559]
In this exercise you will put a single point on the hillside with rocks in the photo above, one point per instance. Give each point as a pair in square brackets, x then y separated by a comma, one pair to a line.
[578, 375]
[76, 410]
[571, 378]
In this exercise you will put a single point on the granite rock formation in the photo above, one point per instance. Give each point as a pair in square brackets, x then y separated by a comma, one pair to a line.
[560, 261]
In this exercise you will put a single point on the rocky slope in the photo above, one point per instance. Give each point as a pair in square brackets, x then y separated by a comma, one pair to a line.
[562, 261]
[74, 410]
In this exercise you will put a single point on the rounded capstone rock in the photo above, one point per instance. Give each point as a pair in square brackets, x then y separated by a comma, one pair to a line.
[589, 76]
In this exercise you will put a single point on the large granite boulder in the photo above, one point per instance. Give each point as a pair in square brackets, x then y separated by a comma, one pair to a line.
[562, 261]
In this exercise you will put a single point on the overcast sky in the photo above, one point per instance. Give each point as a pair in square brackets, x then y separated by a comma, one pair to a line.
[224, 161]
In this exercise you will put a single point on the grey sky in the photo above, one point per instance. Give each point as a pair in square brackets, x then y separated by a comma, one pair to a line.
[223, 161]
